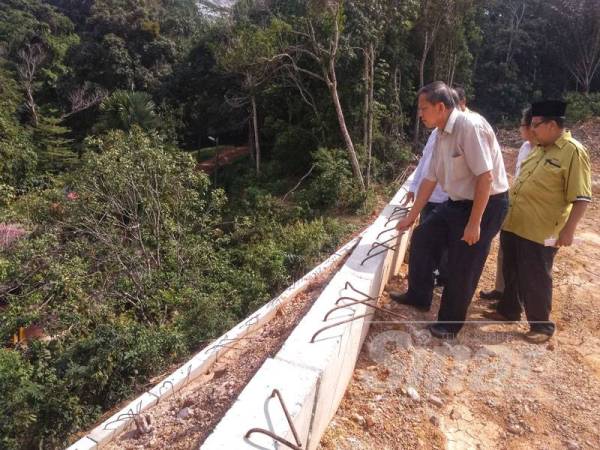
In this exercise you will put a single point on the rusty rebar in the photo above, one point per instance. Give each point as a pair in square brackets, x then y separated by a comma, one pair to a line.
[362, 302]
[298, 445]
[272, 436]
[312, 340]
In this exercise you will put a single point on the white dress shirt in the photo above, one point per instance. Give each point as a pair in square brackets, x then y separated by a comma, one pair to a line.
[466, 148]
[522, 156]
[438, 195]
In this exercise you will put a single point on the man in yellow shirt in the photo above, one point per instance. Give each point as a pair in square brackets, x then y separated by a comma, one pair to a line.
[546, 203]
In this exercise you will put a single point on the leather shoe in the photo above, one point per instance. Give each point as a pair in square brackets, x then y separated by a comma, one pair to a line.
[537, 337]
[492, 294]
[402, 298]
[439, 331]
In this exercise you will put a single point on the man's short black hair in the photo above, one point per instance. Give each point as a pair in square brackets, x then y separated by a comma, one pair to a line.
[437, 92]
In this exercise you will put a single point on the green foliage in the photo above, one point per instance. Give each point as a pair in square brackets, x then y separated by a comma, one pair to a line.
[17, 403]
[17, 156]
[55, 154]
[127, 269]
[333, 186]
[131, 258]
[582, 107]
[122, 110]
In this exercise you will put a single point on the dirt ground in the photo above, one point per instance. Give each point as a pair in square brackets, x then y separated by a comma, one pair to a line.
[487, 389]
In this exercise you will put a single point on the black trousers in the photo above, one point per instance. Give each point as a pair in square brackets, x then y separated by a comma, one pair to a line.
[444, 228]
[527, 270]
[442, 262]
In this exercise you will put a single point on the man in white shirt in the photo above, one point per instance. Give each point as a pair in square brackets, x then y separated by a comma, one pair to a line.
[468, 165]
[437, 197]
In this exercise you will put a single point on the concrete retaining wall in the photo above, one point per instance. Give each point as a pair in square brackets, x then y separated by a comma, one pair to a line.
[323, 360]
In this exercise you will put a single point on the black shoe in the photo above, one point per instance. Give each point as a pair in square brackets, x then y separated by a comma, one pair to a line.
[490, 295]
[402, 298]
[439, 331]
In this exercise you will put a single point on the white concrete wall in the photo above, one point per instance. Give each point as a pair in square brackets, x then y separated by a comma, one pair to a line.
[333, 354]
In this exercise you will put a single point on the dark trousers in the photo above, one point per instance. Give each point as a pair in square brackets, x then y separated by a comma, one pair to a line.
[442, 263]
[444, 228]
[527, 270]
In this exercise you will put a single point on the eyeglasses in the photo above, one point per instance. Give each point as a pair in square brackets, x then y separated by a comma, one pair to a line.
[535, 125]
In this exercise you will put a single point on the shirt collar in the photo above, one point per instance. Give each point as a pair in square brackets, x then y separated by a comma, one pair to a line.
[451, 121]
[563, 139]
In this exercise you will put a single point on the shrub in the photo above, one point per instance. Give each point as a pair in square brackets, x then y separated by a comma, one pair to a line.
[333, 185]
[17, 402]
[581, 106]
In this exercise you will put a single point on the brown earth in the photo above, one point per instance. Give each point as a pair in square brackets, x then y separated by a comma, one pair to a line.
[488, 389]
[224, 157]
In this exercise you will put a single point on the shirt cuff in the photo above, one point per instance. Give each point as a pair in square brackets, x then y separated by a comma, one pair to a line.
[582, 198]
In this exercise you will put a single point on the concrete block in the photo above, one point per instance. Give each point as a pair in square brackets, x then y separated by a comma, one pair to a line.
[254, 408]
[84, 443]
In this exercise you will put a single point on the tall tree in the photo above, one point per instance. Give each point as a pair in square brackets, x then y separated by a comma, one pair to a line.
[577, 22]
[249, 53]
[319, 42]
[432, 14]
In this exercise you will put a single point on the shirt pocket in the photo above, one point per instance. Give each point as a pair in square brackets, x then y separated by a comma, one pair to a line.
[458, 167]
[549, 177]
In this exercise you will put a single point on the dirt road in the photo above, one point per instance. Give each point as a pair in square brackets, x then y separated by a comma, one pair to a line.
[488, 389]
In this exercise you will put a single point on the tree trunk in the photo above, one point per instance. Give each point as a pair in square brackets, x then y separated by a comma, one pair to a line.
[421, 84]
[366, 100]
[369, 148]
[332, 84]
[255, 129]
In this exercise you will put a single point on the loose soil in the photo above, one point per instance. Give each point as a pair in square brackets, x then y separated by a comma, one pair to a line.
[487, 389]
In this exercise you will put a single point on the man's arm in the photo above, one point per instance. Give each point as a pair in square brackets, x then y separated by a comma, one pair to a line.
[425, 191]
[565, 237]
[480, 200]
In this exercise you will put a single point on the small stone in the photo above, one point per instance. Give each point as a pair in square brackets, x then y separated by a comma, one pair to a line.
[358, 419]
[514, 429]
[436, 400]
[538, 369]
[370, 422]
[572, 445]
[434, 421]
[185, 413]
[412, 393]
[455, 414]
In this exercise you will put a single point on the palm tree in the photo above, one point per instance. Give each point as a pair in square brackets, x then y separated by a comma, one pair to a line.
[123, 109]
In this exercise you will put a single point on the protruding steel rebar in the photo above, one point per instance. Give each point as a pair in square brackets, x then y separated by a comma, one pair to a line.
[349, 285]
[312, 340]
[272, 436]
[362, 302]
[298, 445]
[387, 230]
